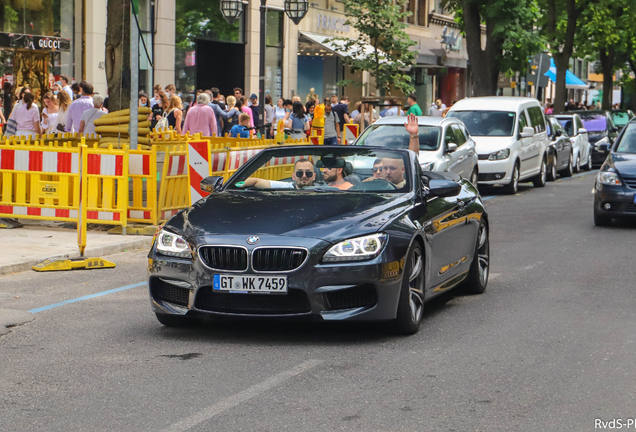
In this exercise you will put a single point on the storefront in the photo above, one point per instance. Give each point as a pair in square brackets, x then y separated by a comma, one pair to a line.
[36, 44]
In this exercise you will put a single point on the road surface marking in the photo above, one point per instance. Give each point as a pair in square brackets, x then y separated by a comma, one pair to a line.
[239, 398]
[99, 294]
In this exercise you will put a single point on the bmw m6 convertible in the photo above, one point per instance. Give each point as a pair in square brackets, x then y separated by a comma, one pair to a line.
[321, 232]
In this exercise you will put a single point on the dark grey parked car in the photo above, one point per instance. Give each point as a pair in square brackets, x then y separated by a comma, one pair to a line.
[560, 155]
[318, 232]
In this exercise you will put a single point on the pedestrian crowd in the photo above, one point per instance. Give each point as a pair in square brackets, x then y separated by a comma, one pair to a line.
[570, 105]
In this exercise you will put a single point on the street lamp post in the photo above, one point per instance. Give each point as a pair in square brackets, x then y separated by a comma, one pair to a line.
[295, 10]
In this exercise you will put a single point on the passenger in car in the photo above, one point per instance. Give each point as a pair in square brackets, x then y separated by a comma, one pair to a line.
[377, 172]
[393, 170]
[303, 175]
[335, 176]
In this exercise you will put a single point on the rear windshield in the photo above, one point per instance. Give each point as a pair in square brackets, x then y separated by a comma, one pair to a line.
[487, 123]
[568, 125]
[396, 136]
[594, 122]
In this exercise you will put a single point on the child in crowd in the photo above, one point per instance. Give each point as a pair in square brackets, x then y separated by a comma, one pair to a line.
[240, 130]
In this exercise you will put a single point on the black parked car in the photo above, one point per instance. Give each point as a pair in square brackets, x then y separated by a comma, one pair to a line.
[323, 232]
[601, 131]
[559, 151]
[615, 188]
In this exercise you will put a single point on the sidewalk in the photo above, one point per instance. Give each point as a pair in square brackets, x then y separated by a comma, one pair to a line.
[36, 241]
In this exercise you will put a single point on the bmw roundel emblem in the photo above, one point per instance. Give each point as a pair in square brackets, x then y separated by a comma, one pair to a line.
[252, 240]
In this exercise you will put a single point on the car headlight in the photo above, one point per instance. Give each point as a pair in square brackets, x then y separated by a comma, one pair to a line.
[356, 249]
[609, 178]
[501, 154]
[172, 245]
[428, 166]
[604, 140]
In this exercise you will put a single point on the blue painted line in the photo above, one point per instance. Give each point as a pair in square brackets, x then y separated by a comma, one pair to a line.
[487, 198]
[78, 299]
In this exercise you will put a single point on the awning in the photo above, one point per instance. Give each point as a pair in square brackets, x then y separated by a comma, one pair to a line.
[571, 80]
[431, 54]
[332, 45]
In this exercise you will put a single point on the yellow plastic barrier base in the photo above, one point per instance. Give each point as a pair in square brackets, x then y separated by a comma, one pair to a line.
[10, 224]
[144, 230]
[61, 264]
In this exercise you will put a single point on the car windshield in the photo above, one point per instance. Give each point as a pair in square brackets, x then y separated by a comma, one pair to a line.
[301, 169]
[567, 124]
[627, 144]
[487, 123]
[396, 136]
[594, 122]
[620, 118]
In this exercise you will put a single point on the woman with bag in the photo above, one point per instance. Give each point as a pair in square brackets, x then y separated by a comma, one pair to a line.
[27, 117]
[232, 121]
[175, 115]
[50, 113]
[64, 102]
[159, 111]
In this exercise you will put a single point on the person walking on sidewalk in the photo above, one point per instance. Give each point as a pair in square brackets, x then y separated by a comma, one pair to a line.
[66, 86]
[175, 115]
[90, 115]
[77, 108]
[201, 118]
[414, 108]
[331, 131]
[50, 113]
[27, 117]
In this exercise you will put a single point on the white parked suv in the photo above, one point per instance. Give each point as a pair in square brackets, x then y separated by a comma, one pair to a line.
[581, 150]
[511, 139]
[445, 144]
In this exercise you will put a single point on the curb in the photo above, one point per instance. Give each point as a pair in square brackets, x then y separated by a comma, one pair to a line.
[96, 252]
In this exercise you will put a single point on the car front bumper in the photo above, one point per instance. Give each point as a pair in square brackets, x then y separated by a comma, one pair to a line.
[619, 198]
[366, 290]
[495, 172]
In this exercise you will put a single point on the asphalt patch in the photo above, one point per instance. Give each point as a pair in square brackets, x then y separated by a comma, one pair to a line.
[10, 318]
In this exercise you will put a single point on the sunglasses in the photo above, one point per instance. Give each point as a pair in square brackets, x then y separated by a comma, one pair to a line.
[308, 174]
[376, 169]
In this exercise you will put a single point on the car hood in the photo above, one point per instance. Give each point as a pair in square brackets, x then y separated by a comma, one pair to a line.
[327, 216]
[487, 144]
[624, 163]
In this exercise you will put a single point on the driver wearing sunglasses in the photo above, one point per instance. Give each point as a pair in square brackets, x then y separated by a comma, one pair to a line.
[303, 175]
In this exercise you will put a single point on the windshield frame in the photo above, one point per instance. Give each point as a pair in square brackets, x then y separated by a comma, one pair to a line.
[453, 114]
[372, 128]
[264, 156]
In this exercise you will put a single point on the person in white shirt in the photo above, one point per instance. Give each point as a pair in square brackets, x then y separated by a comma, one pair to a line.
[50, 113]
[87, 125]
[66, 86]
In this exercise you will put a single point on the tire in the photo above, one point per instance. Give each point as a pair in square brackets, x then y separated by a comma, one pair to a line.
[577, 166]
[411, 303]
[513, 187]
[477, 279]
[177, 320]
[601, 220]
[540, 180]
[569, 170]
[474, 177]
[588, 165]
[552, 171]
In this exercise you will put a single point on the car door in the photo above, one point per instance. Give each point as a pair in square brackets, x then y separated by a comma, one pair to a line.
[451, 161]
[537, 148]
[464, 152]
[525, 144]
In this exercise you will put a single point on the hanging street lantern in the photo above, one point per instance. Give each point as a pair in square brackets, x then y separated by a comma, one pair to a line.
[231, 10]
[296, 9]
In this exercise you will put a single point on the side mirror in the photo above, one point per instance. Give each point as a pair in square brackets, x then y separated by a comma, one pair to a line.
[451, 147]
[211, 184]
[558, 133]
[582, 131]
[527, 132]
[444, 188]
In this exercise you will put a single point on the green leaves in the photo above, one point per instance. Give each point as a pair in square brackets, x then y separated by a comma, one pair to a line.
[382, 47]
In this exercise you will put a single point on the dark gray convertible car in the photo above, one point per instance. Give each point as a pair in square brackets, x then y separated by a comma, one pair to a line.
[322, 232]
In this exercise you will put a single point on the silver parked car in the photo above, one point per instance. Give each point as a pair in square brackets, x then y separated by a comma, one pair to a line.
[445, 144]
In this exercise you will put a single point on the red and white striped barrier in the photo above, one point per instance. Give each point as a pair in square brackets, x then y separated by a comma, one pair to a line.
[100, 166]
[198, 168]
[350, 133]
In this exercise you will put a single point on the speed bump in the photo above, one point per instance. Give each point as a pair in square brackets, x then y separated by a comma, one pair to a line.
[61, 264]
[9, 223]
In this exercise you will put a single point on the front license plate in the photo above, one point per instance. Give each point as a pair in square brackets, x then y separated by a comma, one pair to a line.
[247, 284]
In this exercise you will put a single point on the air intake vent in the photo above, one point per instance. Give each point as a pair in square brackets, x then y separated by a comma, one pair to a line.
[629, 181]
[361, 296]
[296, 301]
[165, 291]
[224, 257]
[278, 259]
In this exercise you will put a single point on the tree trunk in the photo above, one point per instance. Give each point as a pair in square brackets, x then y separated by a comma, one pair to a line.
[118, 54]
[484, 63]
[607, 66]
[560, 95]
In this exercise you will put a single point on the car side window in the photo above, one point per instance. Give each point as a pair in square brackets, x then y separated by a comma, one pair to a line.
[523, 122]
[459, 134]
[536, 119]
[549, 125]
[449, 136]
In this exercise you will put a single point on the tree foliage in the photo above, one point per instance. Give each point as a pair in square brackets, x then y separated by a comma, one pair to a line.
[380, 24]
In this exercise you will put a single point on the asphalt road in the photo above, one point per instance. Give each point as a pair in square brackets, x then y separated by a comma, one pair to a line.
[550, 346]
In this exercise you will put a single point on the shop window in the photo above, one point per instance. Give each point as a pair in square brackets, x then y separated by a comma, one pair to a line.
[274, 54]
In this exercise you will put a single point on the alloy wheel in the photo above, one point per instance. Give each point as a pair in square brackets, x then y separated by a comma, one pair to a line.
[553, 171]
[589, 161]
[515, 173]
[483, 254]
[416, 291]
[474, 178]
